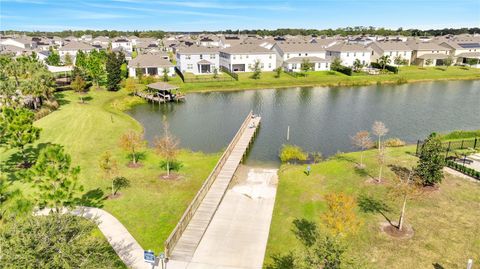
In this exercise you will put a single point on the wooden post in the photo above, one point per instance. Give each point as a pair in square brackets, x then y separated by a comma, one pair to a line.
[288, 133]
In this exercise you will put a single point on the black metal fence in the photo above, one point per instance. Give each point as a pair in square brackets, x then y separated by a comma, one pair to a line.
[450, 146]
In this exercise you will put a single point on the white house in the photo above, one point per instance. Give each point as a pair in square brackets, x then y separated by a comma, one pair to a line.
[73, 47]
[348, 53]
[242, 58]
[291, 55]
[197, 59]
[122, 43]
[392, 49]
[150, 64]
[23, 42]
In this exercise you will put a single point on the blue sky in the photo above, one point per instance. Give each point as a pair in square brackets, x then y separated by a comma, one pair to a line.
[189, 15]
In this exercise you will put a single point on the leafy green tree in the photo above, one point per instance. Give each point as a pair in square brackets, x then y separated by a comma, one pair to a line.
[79, 86]
[68, 59]
[471, 61]
[278, 72]
[336, 63]
[130, 85]
[17, 130]
[291, 152]
[124, 70]
[95, 67]
[215, 73]
[120, 183]
[81, 60]
[448, 62]
[54, 178]
[53, 58]
[114, 72]
[256, 69]
[12, 202]
[383, 61]
[54, 241]
[400, 61]
[165, 74]
[306, 66]
[431, 161]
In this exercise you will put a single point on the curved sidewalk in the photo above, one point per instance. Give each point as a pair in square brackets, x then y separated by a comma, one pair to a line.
[117, 235]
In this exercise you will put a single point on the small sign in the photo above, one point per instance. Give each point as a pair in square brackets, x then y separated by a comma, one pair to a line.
[149, 256]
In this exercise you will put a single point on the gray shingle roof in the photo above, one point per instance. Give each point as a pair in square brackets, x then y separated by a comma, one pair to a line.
[344, 47]
[197, 50]
[247, 49]
[149, 60]
[289, 47]
[74, 45]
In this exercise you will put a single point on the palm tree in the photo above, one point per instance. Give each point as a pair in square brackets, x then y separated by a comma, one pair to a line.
[384, 61]
[357, 65]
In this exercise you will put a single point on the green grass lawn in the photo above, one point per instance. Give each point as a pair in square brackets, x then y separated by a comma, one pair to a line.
[445, 221]
[151, 207]
[329, 78]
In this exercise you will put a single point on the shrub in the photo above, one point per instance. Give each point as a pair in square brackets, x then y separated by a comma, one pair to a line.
[343, 69]
[147, 80]
[401, 80]
[51, 104]
[173, 165]
[291, 152]
[394, 142]
[390, 68]
[460, 134]
[463, 169]
[42, 113]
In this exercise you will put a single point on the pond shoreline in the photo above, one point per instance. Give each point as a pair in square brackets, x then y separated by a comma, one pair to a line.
[341, 83]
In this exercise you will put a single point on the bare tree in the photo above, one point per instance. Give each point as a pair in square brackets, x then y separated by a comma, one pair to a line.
[167, 146]
[379, 130]
[363, 141]
[109, 167]
[381, 162]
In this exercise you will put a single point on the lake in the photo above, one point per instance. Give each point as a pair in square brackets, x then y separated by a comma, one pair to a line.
[321, 119]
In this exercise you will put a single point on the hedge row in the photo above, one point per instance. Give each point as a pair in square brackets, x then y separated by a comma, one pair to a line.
[466, 170]
[390, 68]
[344, 69]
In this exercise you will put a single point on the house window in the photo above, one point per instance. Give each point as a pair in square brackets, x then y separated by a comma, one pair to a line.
[390, 53]
[299, 54]
[306, 54]
[263, 65]
[294, 66]
[326, 65]
[234, 57]
[363, 53]
[201, 56]
[269, 56]
[348, 54]
[187, 57]
[288, 56]
[240, 57]
[212, 56]
[354, 54]
[329, 53]
[404, 53]
[190, 66]
[433, 51]
[269, 65]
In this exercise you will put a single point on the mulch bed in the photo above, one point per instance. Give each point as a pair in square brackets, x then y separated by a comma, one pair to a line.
[134, 165]
[172, 176]
[406, 233]
[116, 196]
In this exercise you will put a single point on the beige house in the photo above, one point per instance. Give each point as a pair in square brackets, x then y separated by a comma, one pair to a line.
[151, 65]
[428, 53]
[463, 50]
[396, 51]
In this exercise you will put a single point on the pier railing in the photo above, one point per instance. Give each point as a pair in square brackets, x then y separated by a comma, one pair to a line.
[197, 200]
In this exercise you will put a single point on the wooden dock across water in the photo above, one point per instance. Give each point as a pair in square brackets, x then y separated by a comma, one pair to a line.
[184, 240]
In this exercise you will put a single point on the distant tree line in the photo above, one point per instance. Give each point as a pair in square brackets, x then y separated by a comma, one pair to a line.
[357, 30]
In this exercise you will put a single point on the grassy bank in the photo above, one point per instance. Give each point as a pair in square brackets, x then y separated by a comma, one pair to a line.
[328, 78]
[151, 207]
[444, 221]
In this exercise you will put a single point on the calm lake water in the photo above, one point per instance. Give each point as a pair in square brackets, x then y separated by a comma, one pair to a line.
[320, 118]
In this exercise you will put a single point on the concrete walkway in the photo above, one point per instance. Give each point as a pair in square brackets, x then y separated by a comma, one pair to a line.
[238, 234]
[117, 235]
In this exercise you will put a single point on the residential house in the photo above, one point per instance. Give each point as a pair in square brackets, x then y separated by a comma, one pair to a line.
[197, 59]
[291, 55]
[73, 47]
[464, 49]
[427, 52]
[348, 53]
[150, 64]
[242, 58]
[396, 51]
[123, 43]
[102, 41]
[23, 42]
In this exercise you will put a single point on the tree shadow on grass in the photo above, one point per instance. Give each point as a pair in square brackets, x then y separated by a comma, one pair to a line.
[60, 96]
[12, 166]
[437, 266]
[92, 198]
[344, 158]
[369, 204]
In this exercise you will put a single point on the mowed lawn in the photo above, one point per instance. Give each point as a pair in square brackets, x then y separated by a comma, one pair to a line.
[446, 222]
[330, 78]
[151, 207]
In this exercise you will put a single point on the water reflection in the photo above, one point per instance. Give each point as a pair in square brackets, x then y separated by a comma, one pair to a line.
[320, 119]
